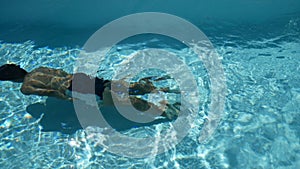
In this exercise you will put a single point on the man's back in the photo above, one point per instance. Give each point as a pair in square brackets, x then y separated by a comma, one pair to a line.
[45, 81]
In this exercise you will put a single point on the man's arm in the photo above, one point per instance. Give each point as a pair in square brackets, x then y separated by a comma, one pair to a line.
[28, 90]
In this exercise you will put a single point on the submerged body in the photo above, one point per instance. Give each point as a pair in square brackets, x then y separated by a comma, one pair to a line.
[47, 82]
[44, 81]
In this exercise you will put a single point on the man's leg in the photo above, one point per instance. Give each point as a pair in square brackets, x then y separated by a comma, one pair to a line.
[145, 86]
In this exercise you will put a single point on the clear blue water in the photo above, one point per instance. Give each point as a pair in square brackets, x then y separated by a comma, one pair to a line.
[260, 128]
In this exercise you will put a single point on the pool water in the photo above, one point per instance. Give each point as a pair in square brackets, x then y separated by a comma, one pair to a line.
[260, 127]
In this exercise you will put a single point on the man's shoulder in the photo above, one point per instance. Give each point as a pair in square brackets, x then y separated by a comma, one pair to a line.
[49, 71]
[42, 69]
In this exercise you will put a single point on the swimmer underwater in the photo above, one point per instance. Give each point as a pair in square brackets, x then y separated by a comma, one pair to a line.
[44, 81]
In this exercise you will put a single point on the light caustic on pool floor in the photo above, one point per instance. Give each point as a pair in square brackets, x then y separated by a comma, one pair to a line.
[260, 128]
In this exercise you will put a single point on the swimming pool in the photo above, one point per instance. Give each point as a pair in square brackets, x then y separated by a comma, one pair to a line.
[259, 129]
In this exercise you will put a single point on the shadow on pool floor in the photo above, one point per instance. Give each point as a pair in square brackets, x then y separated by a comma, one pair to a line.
[59, 115]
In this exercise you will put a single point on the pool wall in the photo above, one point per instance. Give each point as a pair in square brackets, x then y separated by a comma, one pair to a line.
[71, 22]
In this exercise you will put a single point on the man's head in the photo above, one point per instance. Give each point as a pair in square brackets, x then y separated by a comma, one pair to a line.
[12, 72]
